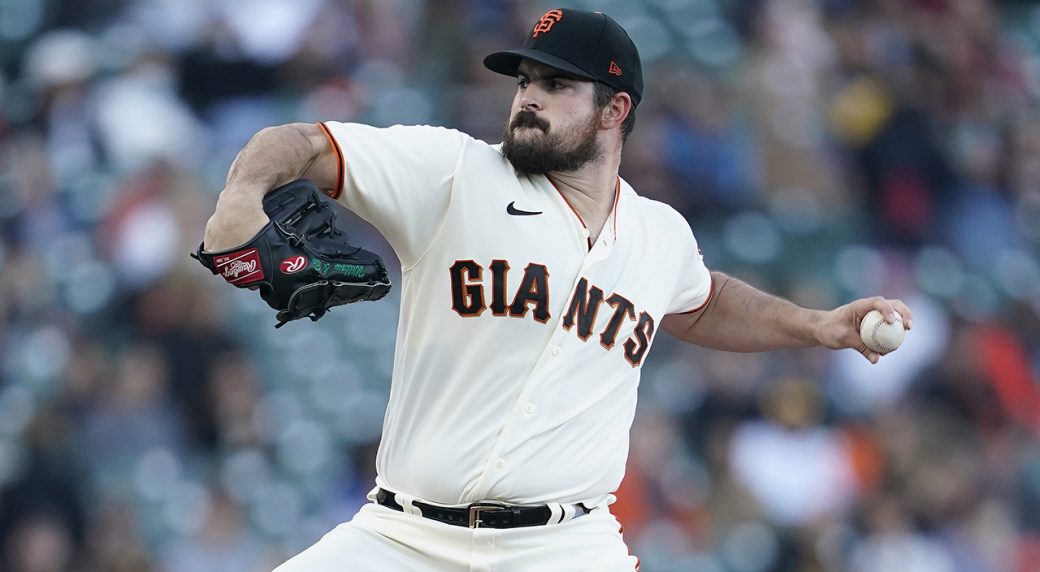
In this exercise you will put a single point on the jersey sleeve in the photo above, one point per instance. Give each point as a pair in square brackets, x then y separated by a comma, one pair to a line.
[398, 178]
[694, 283]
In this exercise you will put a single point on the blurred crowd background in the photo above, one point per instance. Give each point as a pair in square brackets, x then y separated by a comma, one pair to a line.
[151, 418]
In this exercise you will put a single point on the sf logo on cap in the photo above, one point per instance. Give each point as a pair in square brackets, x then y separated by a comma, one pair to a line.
[546, 23]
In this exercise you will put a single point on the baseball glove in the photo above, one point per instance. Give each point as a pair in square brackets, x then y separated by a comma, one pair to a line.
[301, 261]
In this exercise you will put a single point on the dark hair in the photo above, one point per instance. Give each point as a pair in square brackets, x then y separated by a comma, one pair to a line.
[602, 96]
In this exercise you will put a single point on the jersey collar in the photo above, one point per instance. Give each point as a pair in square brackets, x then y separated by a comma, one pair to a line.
[609, 231]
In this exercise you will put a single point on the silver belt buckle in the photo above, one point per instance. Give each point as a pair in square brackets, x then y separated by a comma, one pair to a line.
[478, 508]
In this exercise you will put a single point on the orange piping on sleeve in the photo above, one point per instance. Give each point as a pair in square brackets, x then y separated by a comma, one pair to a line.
[339, 160]
[711, 292]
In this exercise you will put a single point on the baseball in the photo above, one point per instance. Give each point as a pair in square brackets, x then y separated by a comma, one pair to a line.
[879, 335]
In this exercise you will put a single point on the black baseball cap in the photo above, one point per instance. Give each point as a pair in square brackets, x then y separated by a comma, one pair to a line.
[589, 45]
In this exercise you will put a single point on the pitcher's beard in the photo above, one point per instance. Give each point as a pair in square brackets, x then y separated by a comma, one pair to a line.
[549, 151]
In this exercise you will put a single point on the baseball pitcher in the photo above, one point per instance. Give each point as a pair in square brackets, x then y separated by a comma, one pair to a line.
[534, 282]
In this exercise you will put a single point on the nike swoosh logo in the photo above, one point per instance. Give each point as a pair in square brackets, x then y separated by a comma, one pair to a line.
[517, 212]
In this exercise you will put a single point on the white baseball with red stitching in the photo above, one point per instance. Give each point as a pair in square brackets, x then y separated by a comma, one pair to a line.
[879, 335]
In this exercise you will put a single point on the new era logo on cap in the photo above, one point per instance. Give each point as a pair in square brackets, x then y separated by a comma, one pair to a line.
[589, 45]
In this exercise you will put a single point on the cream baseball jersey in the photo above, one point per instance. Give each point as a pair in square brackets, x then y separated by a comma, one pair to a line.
[520, 343]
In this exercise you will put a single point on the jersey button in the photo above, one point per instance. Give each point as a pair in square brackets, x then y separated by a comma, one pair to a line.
[500, 464]
[585, 232]
[557, 351]
[530, 409]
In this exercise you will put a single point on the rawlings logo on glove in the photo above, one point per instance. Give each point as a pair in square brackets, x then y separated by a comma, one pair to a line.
[241, 267]
[301, 261]
[293, 264]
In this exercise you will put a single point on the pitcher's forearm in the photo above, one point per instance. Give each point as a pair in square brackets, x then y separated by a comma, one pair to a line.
[237, 218]
[272, 158]
[275, 156]
[740, 318]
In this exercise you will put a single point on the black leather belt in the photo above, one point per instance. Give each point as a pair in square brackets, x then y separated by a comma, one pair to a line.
[484, 514]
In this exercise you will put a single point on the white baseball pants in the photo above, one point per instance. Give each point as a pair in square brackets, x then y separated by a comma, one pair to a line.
[380, 539]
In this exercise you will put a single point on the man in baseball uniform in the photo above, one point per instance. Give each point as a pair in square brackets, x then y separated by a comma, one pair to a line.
[535, 281]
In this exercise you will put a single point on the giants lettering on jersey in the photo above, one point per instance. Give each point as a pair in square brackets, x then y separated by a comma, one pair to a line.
[468, 300]
[467, 290]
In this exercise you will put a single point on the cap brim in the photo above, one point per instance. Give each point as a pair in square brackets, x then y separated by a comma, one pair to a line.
[508, 62]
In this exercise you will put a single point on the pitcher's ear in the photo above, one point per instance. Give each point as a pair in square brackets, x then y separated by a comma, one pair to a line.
[616, 110]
